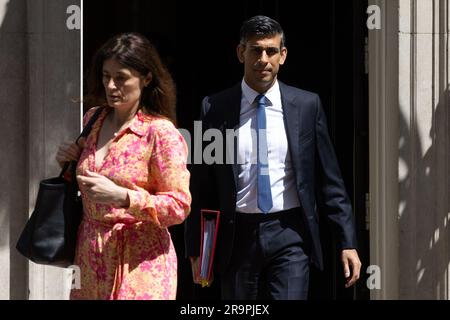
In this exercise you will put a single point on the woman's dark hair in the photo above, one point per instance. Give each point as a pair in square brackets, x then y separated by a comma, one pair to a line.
[261, 26]
[135, 51]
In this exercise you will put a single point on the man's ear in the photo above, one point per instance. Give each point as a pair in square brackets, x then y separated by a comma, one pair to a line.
[240, 52]
[283, 54]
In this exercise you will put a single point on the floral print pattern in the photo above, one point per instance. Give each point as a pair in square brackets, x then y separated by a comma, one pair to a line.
[127, 253]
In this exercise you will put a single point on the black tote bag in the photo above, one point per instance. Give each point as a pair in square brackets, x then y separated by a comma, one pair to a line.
[50, 235]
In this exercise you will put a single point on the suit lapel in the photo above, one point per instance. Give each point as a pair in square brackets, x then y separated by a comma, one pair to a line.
[231, 110]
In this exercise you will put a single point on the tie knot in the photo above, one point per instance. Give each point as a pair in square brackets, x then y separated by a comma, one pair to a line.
[261, 100]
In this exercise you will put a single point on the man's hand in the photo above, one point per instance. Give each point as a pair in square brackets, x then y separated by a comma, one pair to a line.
[350, 259]
[100, 189]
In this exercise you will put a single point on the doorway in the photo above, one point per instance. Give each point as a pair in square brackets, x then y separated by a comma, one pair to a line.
[326, 55]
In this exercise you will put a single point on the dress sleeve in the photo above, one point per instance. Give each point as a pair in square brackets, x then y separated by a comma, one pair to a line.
[169, 201]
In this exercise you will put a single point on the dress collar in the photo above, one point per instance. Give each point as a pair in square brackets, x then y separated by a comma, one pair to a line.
[136, 125]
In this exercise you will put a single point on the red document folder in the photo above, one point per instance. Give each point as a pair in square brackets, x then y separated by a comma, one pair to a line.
[209, 228]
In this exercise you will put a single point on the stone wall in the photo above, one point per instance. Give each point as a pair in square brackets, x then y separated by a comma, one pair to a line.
[40, 68]
[423, 142]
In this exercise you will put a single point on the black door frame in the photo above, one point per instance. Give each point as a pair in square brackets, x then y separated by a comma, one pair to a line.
[345, 89]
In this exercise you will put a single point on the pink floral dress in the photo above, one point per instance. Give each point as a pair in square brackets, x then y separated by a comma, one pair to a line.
[127, 253]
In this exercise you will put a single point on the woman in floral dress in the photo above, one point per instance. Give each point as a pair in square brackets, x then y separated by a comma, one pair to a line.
[132, 176]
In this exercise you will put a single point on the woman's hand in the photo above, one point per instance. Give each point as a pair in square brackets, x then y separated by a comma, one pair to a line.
[69, 151]
[100, 189]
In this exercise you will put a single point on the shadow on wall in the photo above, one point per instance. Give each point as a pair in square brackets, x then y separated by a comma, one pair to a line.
[424, 207]
[13, 146]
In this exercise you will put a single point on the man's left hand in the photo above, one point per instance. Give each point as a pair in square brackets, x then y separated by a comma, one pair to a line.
[350, 259]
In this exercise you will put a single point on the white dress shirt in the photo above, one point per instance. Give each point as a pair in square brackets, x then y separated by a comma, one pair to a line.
[282, 178]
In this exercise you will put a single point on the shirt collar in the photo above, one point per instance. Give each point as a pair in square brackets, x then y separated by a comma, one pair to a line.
[273, 94]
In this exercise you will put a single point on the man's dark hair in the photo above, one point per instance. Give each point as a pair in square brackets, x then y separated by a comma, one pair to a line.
[261, 26]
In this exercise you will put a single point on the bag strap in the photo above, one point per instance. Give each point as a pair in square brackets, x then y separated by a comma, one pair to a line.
[86, 130]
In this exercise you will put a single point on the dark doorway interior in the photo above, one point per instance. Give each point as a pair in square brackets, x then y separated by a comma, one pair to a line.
[325, 41]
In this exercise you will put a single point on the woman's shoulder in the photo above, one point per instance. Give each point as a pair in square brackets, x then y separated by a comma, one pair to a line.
[164, 133]
[157, 124]
[89, 113]
[92, 110]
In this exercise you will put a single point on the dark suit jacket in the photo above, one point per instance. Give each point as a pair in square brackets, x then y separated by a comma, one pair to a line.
[318, 178]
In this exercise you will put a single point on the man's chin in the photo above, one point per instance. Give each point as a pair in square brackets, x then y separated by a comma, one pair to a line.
[265, 81]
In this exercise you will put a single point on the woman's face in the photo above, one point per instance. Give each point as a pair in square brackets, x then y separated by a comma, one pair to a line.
[123, 85]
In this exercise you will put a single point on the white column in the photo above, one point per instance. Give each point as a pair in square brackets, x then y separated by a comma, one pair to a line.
[40, 70]
[54, 113]
[423, 149]
[409, 149]
[383, 151]
[13, 143]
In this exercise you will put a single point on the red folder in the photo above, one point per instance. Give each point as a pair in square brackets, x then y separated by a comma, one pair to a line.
[209, 228]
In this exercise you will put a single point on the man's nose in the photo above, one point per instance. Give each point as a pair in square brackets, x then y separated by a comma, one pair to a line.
[264, 58]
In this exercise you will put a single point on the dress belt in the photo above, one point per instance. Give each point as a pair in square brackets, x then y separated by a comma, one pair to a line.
[116, 229]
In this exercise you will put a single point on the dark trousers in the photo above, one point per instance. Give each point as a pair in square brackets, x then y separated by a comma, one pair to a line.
[270, 258]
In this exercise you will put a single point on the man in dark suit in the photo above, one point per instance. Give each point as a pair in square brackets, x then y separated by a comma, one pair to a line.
[283, 168]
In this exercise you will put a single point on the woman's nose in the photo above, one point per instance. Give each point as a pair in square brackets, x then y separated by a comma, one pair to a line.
[110, 84]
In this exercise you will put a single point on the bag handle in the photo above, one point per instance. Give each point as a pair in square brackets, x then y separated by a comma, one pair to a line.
[86, 130]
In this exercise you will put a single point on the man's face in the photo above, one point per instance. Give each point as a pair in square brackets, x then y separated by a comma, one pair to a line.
[262, 58]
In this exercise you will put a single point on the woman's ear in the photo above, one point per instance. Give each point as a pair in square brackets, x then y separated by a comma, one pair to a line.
[148, 79]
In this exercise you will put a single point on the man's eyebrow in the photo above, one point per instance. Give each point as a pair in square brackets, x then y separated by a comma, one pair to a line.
[264, 47]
